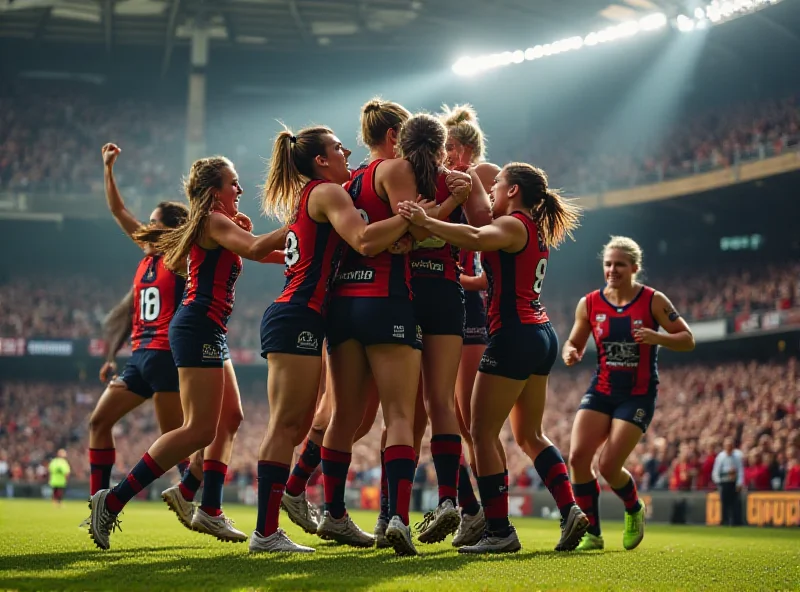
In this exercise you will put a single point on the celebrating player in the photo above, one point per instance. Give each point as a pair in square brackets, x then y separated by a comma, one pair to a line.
[530, 218]
[145, 317]
[623, 317]
[214, 239]
[304, 189]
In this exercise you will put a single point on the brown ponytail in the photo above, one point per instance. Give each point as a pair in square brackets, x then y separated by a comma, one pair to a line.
[421, 142]
[556, 216]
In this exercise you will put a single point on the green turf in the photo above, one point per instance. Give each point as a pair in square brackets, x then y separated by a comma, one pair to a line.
[41, 548]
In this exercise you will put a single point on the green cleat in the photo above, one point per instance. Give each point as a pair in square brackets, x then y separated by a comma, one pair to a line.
[591, 542]
[634, 528]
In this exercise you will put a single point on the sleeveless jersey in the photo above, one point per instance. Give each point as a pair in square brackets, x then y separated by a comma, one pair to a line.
[156, 294]
[515, 281]
[210, 287]
[384, 275]
[313, 252]
[433, 257]
[624, 367]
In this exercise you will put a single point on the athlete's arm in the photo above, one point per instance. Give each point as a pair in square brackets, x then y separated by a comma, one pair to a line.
[678, 335]
[122, 215]
[506, 233]
[474, 283]
[117, 328]
[478, 208]
[228, 234]
[275, 257]
[575, 346]
[334, 203]
[399, 185]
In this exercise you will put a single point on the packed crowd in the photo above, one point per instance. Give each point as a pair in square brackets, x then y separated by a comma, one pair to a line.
[50, 143]
[757, 404]
[74, 307]
[78, 123]
[703, 141]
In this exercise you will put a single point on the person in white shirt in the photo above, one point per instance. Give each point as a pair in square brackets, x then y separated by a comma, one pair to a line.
[728, 475]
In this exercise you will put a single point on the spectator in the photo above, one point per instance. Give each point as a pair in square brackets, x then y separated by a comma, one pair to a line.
[728, 474]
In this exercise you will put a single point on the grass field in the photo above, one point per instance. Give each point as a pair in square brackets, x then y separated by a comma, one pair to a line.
[41, 548]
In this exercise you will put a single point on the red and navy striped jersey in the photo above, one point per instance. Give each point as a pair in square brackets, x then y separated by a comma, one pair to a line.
[313, 251]
[433, 257]
[624, 367]
[470, 263]
[385, 275]
[515, 281]
[156, 294]
[211, 285]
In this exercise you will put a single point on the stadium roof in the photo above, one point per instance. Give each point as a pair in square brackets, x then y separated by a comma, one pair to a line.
[302, 25]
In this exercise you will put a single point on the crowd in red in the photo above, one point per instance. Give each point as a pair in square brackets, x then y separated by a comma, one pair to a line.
[698, 406]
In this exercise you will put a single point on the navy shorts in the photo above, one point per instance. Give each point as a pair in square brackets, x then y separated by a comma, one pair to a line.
[150, 371]
[635, 409]
[475, 320]
[197, 341]
[438, 306]
[372, 321]
[292, 329]
[519, 351]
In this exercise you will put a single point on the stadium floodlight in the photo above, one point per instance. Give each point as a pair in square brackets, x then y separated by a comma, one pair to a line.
[714, 13]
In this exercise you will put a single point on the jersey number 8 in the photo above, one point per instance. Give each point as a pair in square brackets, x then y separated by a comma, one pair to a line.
[292, 255]
[149, 304]
[541, 269]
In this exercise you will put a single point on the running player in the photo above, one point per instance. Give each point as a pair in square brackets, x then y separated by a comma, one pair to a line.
[529, 219]
[439, 311]
[304, 190]
[145, 317]
[371, 323]
[623, 318]
[466, 151]
[214, 239]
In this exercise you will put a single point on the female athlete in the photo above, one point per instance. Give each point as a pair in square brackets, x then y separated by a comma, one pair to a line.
[529, 219]
[214, 239]
[623, 317]
[304, 190]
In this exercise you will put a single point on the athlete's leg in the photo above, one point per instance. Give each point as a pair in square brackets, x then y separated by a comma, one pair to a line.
[292, 390]
[589, 431]
[115, 402]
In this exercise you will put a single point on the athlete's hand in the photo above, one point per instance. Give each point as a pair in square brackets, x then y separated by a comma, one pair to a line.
[108, 371]
[571, 355]
[402, 246]
[243, 221]
[459, 184]
[413, 212]
[646, 336]
[110, 153]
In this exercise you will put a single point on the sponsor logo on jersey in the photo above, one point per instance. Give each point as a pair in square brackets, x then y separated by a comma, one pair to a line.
[364, 275]
[307, 340]
[427, 265]
[600, 318]
[621, 354]
[638, 323]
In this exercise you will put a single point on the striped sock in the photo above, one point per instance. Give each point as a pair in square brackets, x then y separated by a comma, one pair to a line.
[587, 496]
[494, 496]
[466, 495]
[335, 465]
[182, 467]
[189, 486]
[629, 496]
[446, 453]
[400, 475]
[551, 468]
[272, 478]
[214, 473]
[384, 489]
[306, 465]
[101, 462]
[143, 474]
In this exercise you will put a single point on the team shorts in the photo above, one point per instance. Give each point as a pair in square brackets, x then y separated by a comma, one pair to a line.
[635, 409]
[150, 371]
[438, 306]
[372, 321]
[197, 341]
[475, 332]
[292, 329]
[519, 351]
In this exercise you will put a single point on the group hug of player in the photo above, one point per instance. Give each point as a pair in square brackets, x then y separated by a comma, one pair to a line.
[383, 305]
